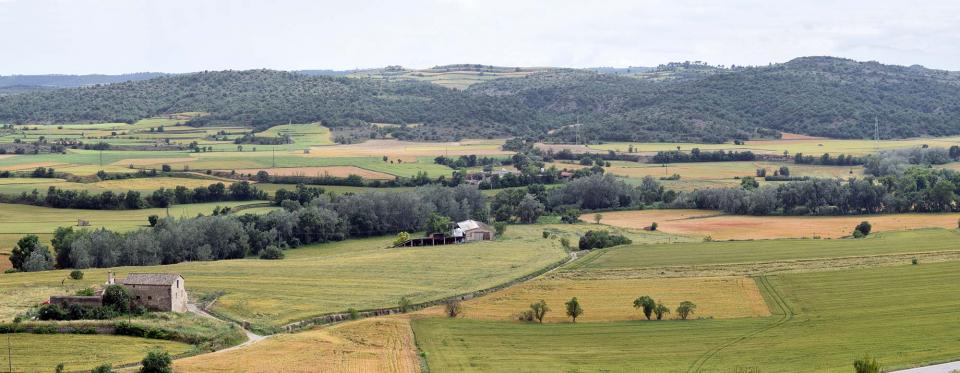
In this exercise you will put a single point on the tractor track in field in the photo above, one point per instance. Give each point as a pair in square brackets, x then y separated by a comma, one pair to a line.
[786, 312]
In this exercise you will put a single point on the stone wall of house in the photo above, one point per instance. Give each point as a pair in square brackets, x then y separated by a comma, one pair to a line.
[153, 297]
[87, 301]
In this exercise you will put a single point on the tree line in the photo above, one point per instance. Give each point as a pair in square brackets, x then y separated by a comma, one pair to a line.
[132, 200]
[695, 155]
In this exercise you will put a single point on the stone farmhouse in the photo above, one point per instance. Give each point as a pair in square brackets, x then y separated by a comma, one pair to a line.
[164, 292]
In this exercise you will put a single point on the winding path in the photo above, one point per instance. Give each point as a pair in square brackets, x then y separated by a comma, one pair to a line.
[251, 336]
[936, 368]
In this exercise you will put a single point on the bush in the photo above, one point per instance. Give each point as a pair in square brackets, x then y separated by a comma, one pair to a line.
[153, 219]
[546, 234]
[105, 368]
[51, 312]
[453, 308]
[601, 239]
[500, 228]
[84, 330]
[354, 314]
[526, 315]
[117, 297]
[85, 292]
[565, 242]
[272, 252]
[863, 228]
[77, 275]
[401, 238]
[570, 215]
[915, 261]
[866, 364]
[653, 226]
[156, 361]
[405, 304]
[46, 329]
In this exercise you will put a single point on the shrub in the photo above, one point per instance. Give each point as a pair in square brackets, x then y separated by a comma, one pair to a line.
[500, 228]
[77, 275]
[46, 329]
[546, 234]
[117, 297]
[354, 314]
[156, 361]
[401, 238]
[526, 315]
[915, 261]
[570, 215]
[105, 368]
[866, 364]
[51, 312]
[565, 242]
[59, 368]
[653, 226]
[153, 219]
[405, 304]
[272, 252]
[453, 308]
[862, 229]
[85, 292]
[601, 239]
[84, 330]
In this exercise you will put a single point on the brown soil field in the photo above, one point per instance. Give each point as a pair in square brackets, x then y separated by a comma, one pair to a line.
[151, 161]
[338, 171]
[408, 150]
[611, 299]
[28, 166]
[736, 227]
[382, 344]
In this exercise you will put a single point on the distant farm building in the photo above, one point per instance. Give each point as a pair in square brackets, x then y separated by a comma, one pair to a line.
[464, 231]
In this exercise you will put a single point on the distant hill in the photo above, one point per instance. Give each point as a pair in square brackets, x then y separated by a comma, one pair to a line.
[822, 96]
[69, 81]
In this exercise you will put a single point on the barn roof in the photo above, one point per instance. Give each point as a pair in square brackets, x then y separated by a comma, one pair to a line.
[151, 279]
[468, 225]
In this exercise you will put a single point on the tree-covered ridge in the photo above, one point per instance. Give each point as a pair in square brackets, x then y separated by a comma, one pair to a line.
[821, 96]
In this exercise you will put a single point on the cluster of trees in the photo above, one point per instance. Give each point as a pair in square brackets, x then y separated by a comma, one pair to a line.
[595, 192]
[601, 239]
[131, 200]
[695, 155]
[826, 160]
[116, 302]
[471, 160]
[651, 307]
[916, 190]
[538, 310]
[322, 218]
[895, 162]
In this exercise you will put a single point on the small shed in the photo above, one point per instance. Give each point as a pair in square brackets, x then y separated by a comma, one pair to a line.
[475, 231]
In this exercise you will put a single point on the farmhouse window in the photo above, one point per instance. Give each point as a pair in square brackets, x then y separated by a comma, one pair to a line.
[149, 297]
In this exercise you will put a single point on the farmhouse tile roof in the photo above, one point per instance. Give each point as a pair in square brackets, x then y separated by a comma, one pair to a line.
[151, 279]
[469, 225]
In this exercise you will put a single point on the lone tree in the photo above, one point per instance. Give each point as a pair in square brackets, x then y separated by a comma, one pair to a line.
[661, 310]
[866, 364]
[405, 304]
[539, 310]
[646, 303]
[862, 229]
[573, 309]
[685, 309]
[117, 297]
[453, 308]
[597, 217]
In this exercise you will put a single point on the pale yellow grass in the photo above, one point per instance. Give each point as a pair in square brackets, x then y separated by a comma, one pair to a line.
[383, 344]
[2, 156]
[408, 150]
[151, 161]
[336, 171]
[612, 299]
[28, 166]
[736, 227]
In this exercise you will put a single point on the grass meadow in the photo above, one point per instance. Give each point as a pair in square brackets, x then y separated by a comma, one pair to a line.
[820, 321]
[42, 352]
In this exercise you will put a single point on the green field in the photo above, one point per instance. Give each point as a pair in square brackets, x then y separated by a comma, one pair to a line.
[319, 279]
[821, 322]
[708, 253]
[42, 352]
[815, 146]
[19, 220]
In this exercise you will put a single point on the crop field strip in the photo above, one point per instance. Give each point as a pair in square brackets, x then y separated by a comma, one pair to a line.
[845, 305]
[42, 352]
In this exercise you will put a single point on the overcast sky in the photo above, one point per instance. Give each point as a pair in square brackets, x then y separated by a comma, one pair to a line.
[116, 36]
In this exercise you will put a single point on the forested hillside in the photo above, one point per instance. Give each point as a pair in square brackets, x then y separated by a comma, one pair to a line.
[820, 96]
